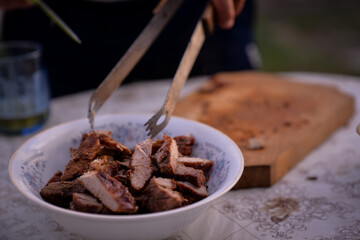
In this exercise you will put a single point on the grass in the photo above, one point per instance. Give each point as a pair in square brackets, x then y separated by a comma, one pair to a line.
[299, 35]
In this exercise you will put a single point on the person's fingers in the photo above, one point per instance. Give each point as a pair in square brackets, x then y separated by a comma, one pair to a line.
[7, 5]
[239, 5]
[224, 13]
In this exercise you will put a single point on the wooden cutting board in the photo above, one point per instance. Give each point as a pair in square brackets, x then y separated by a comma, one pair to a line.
[275, 122]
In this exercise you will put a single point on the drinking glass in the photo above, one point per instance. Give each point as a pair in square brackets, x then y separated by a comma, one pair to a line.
[24, 88]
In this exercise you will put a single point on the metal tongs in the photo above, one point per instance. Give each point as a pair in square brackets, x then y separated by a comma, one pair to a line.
[203, 27]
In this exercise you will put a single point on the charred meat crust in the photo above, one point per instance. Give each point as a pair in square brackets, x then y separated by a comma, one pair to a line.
[75, 168]
[89, 147]
[87, 151]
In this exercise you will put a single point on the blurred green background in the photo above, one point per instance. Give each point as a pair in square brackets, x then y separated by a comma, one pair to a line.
[305, 35]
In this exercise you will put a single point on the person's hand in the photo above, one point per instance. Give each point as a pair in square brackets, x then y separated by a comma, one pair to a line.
[7, 5]
[226, 11]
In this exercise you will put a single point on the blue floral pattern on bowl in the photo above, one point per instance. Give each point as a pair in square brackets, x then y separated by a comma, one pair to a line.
[32, 171]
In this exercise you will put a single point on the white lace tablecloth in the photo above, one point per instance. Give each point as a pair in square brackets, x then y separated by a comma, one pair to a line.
[318, 199]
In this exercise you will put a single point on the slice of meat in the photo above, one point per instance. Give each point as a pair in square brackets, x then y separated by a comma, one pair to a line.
[189, 174]
[191, 191]
[89, 147]
[146, 146]
[161, 196]
[85, 153]
[198, 163]
[75, 168]
[85, 203]
[141, 165]
[110, 143]
[166, 157]
[112, 193]
[167, 161]
[60, 193]
[106, 164]
[185, 144]
[139, 176]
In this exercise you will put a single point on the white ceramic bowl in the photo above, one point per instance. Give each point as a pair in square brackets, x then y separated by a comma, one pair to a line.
[39, 158]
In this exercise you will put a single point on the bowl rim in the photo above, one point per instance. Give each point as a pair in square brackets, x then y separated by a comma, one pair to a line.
[135, 217]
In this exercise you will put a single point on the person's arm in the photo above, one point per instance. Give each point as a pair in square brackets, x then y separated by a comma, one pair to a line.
[226, 11]
[8, 5]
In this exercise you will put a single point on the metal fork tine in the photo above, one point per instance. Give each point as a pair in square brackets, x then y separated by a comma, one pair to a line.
[152, 125]
[148, 127]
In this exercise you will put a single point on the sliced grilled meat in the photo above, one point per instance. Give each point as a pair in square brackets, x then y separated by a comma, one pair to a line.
[166, 157]
[112, 193]
[60, 193]
[141, 165]
[108, 174]
[189, 174]
[161, 196]
[198, 163]
[89, 147]
[85, 153]
[192, 192]
[185, 144]
[85, 203]
[75, 168]
[110, 143]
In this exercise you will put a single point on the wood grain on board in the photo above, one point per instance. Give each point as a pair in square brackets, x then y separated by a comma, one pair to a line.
[274, 121]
